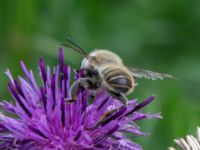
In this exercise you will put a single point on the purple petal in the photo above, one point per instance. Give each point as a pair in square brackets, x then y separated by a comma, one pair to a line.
[43, 71]
[144, 103]
[43, 120]
[16, 97]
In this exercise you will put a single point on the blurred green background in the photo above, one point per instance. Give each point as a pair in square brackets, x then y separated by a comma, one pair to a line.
[158, 35]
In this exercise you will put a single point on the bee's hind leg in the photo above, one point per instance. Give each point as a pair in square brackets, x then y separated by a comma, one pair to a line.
[120, 96]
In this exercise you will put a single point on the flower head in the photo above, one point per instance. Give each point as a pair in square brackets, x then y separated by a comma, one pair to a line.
[189, 143]
[41, 118]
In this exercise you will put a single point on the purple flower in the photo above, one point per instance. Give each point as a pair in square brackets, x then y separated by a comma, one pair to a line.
[42, 119]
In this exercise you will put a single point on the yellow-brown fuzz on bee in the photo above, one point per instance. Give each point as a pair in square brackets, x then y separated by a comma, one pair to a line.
[103, 57]
[117, 77]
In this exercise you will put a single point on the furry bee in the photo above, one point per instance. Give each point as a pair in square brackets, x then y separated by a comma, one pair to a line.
[105, 69]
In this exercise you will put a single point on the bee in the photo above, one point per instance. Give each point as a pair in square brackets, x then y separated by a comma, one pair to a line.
[104, 69]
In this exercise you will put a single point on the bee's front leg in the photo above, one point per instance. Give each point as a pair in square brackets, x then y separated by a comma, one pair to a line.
[86, 83]
[73, 91]
[82, 82]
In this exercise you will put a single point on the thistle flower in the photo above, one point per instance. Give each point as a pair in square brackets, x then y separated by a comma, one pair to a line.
[41, 118]
[189, 143]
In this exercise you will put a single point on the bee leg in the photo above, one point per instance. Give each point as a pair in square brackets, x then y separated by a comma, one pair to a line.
[73, 92]
[87, 83]
[74, 89]
[75, 86]
[120, 96]
[123, 99]
[90, 83]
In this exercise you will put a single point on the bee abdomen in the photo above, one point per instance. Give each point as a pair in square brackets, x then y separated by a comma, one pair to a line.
[120, 84]
[118, 80]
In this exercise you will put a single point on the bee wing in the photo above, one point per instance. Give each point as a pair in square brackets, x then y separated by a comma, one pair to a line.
[69, 43]
[141, 73]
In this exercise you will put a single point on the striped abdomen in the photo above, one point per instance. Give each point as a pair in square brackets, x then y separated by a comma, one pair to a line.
[118, 79]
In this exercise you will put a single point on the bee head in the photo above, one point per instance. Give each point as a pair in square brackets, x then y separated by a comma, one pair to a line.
[87, 62]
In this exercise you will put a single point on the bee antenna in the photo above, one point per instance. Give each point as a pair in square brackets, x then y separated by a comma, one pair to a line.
[69, 43]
